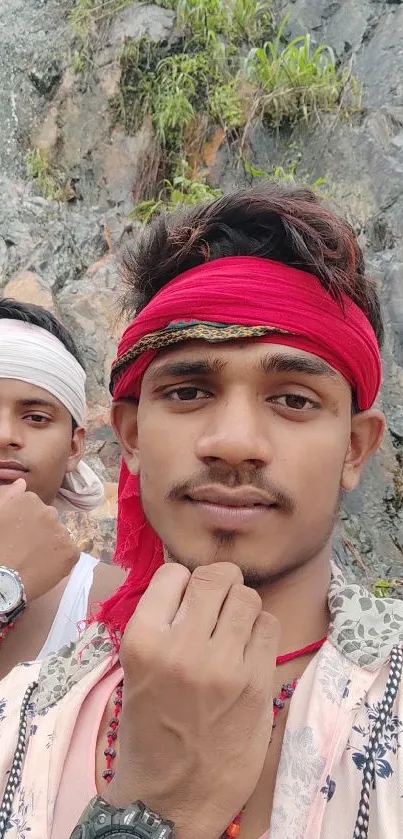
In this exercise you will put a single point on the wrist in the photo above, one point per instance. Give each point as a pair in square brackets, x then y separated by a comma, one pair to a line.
[12, 597]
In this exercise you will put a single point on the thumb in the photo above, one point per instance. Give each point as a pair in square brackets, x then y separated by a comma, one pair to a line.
[14, 490]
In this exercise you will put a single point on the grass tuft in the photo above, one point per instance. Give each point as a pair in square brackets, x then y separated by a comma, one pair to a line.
[50, 182]
[230, 68]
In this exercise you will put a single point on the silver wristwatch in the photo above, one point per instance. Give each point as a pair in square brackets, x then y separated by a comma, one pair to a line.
[12, 595]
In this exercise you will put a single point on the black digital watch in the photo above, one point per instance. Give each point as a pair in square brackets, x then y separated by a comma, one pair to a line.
[102, 821]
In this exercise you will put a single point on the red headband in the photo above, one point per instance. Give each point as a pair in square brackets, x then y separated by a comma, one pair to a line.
[251, 291]
[246, 291]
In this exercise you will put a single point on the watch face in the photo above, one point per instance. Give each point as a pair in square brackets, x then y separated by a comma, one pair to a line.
[10, 591]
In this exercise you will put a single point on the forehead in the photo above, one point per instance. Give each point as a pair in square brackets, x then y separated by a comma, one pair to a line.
[17, 392]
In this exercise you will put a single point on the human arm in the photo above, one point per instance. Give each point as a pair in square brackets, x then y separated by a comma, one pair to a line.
[199, 658]
[33, 541]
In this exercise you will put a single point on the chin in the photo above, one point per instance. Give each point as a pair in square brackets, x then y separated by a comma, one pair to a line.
[227, 547]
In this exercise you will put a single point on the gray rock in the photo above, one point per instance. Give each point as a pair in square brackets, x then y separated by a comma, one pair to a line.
[142, 19]
[383, 77]
[125, 162]
[30, 34]
[342, 24]
[46, 75]
[89, 307]
[57, 241]
[3, 258]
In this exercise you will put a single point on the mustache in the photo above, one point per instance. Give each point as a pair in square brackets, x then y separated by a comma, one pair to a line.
[231, 479]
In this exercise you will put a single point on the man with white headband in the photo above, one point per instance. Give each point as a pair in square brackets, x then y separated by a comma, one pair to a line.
[46, 586]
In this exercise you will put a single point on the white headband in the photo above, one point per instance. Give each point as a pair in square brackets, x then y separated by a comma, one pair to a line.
[31, 354]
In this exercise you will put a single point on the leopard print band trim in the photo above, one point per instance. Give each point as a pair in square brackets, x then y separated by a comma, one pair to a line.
[175, 333]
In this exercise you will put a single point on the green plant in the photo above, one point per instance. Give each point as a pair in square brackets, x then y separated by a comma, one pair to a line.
[209, 74]
[225, 105]
[181, 191]
[237, 20]
[251, 20]
[85, 14]
[177, 79]
[295, 81]
[228, 69]
[201, 17]
[50, 182]
[323, 187]
[287, 174]
[80, 17]
[79, 62]
[387, 588]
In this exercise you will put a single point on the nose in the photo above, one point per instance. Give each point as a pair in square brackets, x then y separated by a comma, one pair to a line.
[236, 433]
[10, 436]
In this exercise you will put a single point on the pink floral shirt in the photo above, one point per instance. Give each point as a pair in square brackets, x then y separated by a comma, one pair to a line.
[341, 768]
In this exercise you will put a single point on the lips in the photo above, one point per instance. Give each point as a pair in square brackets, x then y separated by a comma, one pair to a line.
[222, 496]
[237, 510]
[11, 470]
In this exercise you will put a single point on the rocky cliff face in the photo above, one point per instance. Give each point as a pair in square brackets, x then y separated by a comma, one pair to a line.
[63, 254]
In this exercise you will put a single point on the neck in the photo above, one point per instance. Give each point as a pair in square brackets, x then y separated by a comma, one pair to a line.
[299, 602]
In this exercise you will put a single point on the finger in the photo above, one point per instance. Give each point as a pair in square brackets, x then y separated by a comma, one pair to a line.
[161, 601]
[14, 490]
[236, 621]
[204, 598]
[262, 650]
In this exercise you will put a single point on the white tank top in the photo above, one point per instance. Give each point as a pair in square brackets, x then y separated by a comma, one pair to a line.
[73, 606]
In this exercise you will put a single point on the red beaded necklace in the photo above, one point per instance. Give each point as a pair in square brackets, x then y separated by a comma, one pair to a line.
[233, 829]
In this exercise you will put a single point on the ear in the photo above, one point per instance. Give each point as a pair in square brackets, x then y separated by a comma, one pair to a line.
[76, 449]
[124, 424]
[367, 430]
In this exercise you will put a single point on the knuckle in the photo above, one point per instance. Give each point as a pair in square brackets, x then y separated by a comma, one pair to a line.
[247, 597]
[227, 681]
[181, 671]
[216, 575]
[182, 663]
[255, 696]
[138, 648]
[171, 573]
[244, 607]
[268, 628]
[31, 499]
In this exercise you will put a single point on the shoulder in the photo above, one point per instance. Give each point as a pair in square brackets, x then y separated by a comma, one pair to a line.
[364, 628]
[16, 685]
[107, 578]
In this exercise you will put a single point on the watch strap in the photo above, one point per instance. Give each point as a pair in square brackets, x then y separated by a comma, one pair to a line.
[5, 620]
[8, 617]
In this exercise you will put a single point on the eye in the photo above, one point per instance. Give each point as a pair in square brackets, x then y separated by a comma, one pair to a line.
[37, 419]
[186, 394]
[294, 401]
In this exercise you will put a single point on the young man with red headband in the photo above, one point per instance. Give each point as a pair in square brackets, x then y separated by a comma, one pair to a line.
[235, 684]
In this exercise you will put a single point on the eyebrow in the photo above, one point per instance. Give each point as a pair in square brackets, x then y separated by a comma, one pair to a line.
[305, 365]
[187, 368]
[270, 364]
[37, 403]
